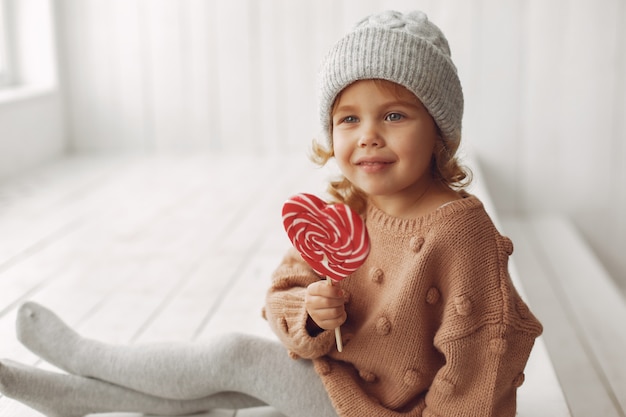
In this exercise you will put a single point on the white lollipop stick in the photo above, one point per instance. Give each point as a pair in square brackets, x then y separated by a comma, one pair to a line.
[337, 329]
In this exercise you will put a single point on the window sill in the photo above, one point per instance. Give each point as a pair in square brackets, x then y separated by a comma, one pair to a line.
[10, 95]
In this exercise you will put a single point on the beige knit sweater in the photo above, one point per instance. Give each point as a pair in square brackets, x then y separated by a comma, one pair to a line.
[435, 326]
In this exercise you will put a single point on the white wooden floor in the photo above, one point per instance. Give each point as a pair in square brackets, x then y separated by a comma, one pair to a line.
[142, 249]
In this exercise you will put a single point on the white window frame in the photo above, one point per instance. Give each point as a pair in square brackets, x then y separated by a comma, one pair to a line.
[5, 45]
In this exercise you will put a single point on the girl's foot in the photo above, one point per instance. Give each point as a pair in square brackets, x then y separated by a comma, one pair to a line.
[46, 335]
[49, 393]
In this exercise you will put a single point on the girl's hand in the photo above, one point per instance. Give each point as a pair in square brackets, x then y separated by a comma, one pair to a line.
[325, 305]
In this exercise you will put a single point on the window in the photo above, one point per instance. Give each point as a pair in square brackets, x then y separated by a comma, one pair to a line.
[5, 69]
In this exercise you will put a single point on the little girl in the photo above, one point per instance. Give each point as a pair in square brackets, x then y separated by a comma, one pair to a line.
[431, 323]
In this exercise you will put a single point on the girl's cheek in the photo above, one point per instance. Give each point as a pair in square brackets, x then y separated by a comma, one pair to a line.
[339, 150]
[339, 142]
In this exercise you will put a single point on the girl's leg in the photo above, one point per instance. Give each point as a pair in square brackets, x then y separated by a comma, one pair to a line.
[61, 395]
[236, 363]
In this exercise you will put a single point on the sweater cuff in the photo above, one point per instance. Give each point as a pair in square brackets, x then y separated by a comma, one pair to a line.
[288, 318]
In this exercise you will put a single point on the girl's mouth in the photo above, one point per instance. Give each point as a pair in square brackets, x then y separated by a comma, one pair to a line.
[372, 166]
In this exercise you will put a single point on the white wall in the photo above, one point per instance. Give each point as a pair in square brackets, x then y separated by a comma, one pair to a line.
[32, 125]
[544, 82]
[31, 130]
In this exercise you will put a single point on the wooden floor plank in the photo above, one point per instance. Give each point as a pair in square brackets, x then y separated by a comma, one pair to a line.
[240, 309]
[33, 203]
[183, 315]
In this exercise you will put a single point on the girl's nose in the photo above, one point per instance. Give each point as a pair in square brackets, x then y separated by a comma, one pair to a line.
[370, 136]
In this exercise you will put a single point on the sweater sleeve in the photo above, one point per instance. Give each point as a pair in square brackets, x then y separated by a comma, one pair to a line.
[481, 374]
[285, 311]
[487, 331]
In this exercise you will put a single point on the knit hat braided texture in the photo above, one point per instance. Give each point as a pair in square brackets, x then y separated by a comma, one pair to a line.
[406, 49]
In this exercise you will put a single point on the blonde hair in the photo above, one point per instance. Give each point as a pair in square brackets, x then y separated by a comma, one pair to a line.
[445, 165]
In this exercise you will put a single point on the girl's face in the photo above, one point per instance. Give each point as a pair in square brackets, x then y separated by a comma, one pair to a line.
[383, 141]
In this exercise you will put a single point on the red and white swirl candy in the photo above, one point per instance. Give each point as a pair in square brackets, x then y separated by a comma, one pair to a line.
[331, 238]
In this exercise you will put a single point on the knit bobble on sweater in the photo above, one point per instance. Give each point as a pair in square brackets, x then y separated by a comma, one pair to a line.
[323, 367]
[367, 376]
[416, 244]
[463, 305]
[507, 245]
[433, 295]
[383, 326]
[498, 346]
[412, 377]
[444, 386]
[377, 275]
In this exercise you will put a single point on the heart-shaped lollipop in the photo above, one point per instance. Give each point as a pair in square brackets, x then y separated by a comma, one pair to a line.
[331, 238]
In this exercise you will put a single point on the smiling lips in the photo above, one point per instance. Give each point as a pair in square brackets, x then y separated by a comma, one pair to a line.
[372, 165]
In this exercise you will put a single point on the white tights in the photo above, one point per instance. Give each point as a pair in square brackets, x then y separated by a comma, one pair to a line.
[237, 371]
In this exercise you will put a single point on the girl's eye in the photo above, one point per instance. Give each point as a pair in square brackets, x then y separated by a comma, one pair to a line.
[394, 117]
[341, 119]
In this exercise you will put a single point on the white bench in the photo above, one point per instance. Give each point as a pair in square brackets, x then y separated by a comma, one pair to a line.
[124, 249]
[582, 310]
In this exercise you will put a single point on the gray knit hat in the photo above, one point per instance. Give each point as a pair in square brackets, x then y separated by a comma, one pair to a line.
[403, 48]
